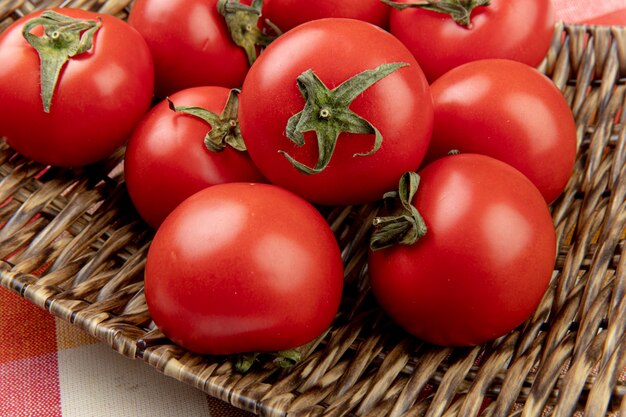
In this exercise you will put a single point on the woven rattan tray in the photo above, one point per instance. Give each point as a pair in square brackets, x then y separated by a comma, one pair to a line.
[72, 244]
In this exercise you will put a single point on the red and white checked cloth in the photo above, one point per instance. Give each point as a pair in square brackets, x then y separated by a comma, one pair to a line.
[51, 369]
[608, 12]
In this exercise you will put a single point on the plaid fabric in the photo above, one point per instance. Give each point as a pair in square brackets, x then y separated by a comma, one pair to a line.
[51, 369]
[582, 11]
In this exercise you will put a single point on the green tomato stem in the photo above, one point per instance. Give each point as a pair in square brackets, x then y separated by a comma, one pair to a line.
[243, 24]
[63, 38]
[225, 129]
[327, 113]
[286, 359]
[459, 10]
[244, 362]
[404, 225]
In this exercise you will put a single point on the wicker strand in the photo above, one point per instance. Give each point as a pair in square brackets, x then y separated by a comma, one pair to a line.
[72, 243]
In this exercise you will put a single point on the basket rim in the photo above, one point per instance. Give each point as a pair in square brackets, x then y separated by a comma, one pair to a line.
[255, 394]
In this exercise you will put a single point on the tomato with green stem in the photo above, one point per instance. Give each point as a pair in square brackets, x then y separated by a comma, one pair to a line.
[466, 254]
[443, 34]
[73, 84]
[336, 127]
[184, 144]
[199, 42]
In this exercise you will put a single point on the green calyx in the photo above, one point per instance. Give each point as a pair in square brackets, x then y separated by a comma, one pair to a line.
[243, 24]
[404, 225]
[63, 38]
[224, 127]
[245, 361]
[285, 359]
[327, 113]
[459, 10]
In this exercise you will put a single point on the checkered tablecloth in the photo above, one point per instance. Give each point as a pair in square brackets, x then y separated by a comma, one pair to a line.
[49, 368]
[608, 12]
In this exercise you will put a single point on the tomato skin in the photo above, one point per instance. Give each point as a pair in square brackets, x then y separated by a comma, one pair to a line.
[287, 14]
[243, 268]
[99, 97]
[485, 262]
[399, 105]
[166, 159]
[517, 30]
[511, 112]
[190, 43]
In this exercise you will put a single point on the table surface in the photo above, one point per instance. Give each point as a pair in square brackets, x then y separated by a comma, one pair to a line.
[50, 368]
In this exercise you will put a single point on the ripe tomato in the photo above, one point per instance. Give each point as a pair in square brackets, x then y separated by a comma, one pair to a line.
[518, 30]
[511, 112]
[287, 14]
[167, 160]
[485, 261]
[397, 109]
[98, 98]
[243, 268]
[191, 43]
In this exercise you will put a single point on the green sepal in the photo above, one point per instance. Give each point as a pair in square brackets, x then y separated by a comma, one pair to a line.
[245, 361]
[225, 129]
[404, 225]
[459, 10]
[63, 38]
[243, 24]
[285, 359]
[327, 113]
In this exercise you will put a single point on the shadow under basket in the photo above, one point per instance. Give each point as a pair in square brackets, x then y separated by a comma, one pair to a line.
[72, 244]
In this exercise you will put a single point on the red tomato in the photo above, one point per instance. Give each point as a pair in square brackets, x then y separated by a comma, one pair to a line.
[167, 160]
[287, 14]
[508, 111]
[399, 106]
[243, 268]
[518, 30]
[190, 43]
[485, 261]
[99, 97]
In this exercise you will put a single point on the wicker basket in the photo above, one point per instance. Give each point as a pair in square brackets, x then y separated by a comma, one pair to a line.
[73, 244]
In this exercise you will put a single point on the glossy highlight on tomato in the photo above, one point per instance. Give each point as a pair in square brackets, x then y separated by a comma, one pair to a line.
[167, 160]
[517, 30]
[243, 267]
[509, 111]
[99, 97]
[485, 261]
[287, 14]
[399, 106]
[190, 43]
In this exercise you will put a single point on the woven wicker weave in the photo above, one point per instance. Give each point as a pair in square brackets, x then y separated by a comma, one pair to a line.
[72, 244]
